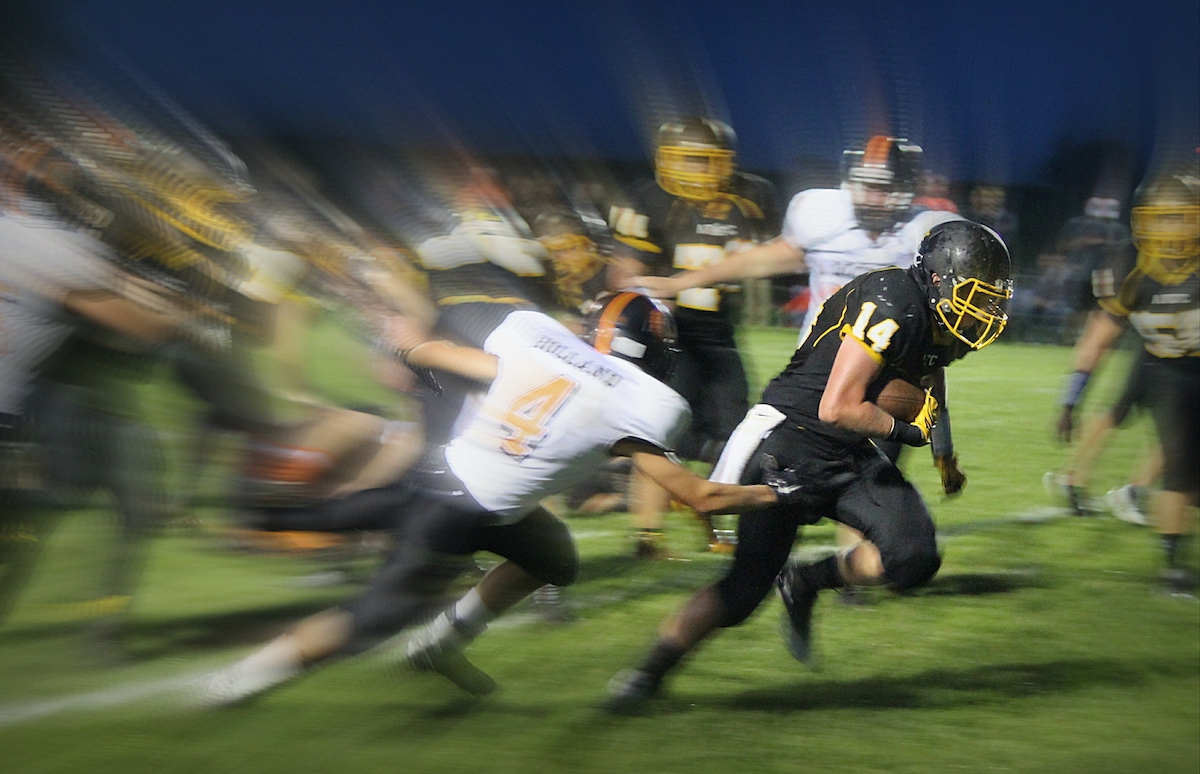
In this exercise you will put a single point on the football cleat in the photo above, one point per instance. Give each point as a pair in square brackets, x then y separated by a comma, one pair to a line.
[1126, 505]
[1179, 582]
[457, 669]
[798, 601]
[630, 689]
[240, 682]
[1059, 487]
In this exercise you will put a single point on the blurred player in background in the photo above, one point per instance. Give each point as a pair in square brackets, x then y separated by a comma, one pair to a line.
[80, 328]
[1087, 242]
[699, 210]
[818, 418]
[1153, 284]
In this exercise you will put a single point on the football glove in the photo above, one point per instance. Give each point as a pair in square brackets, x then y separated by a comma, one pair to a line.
[953, 477]
[916, 433]
[785, 483]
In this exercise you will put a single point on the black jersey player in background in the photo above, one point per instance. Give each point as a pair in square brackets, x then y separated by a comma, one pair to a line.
[1154, 286]
[817, 420]
[697, 209]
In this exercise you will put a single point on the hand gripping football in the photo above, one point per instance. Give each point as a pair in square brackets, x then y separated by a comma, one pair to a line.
[901, 400]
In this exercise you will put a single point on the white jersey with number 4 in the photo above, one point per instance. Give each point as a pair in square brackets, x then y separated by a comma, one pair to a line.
[821, 222]
[552, 414]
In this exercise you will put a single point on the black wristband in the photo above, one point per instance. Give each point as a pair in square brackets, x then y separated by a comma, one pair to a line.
[907, 434]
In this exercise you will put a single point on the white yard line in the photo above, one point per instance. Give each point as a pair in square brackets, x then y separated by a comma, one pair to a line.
[17, 713]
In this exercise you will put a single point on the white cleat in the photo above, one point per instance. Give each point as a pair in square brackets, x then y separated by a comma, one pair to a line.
[1123, 502]
[242, 681]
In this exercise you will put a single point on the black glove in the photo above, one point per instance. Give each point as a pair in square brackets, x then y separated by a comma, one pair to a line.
[785, 483]
[916, 433]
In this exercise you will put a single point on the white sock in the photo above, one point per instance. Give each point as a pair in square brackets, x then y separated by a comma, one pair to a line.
[471, 614]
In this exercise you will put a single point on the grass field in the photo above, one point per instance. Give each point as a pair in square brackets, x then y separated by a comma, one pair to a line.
[1042, 646]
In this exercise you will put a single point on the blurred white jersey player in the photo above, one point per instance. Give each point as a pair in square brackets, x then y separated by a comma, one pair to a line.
[553, 414]
[864, 225]
[555, 408]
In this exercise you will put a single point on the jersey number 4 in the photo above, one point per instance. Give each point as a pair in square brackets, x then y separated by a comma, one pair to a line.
[529, 415]
[878, 335]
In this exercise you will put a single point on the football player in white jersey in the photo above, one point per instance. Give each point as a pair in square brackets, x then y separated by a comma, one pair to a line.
[555, 409]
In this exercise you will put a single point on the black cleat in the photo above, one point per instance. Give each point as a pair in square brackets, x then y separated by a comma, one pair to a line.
[1179, 582]
[629, 690]
[798, 600]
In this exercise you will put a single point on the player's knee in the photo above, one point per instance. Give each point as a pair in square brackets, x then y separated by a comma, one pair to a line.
[912, 568]
[561, 570]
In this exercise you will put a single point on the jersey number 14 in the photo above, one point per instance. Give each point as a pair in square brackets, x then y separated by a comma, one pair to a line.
[879, 335]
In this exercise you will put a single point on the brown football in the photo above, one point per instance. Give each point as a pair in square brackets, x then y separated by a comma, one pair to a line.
[901, 399]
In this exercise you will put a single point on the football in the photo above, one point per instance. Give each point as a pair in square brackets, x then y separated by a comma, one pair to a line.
[901, 400]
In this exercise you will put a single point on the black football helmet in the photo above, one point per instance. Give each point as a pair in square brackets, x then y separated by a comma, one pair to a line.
[636, 328]
[1165, 222]
[694, 157]
[967, 270]
[882, 178]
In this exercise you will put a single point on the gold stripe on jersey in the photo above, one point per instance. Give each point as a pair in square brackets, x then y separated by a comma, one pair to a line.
[1126, 297]
[481, 299]
[639, 244]
[836, 325]
[749, 207]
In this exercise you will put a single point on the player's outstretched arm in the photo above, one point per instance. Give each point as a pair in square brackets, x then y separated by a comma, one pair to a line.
[692, 490]
[417, 351]
[766, 260]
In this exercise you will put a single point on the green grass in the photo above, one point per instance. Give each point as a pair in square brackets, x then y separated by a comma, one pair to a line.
[1041, 647]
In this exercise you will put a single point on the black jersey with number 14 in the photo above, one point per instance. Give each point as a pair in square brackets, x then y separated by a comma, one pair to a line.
[888, 312]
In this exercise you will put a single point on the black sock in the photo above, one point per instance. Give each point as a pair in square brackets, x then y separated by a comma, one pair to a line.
[662, 658]
[822, 575]
[1170, 546]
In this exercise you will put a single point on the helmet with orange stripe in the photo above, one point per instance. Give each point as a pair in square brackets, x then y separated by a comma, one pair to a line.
[636, 328]
[882, 178]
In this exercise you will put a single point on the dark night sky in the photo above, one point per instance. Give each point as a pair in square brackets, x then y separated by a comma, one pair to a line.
[987, 88]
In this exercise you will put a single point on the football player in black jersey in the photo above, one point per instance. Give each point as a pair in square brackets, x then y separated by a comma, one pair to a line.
[1153, 284]
[817, 420]
[698, 209]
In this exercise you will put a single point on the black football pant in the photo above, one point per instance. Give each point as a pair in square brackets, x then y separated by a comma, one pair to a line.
[1174, 396]
[713, 381]
[435, 539]
[856, 486]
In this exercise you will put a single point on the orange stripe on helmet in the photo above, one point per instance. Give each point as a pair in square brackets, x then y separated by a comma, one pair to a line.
[876, 152]
[607, 325]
